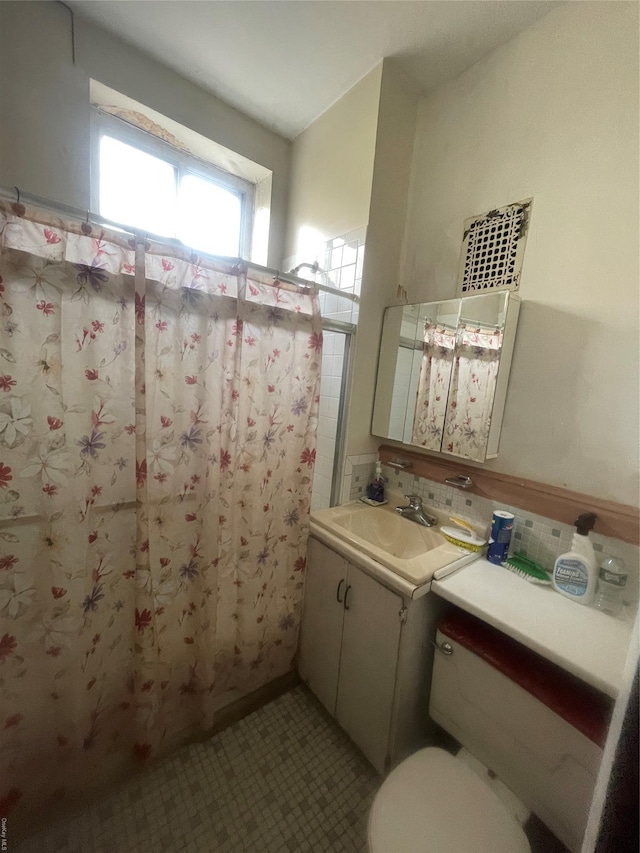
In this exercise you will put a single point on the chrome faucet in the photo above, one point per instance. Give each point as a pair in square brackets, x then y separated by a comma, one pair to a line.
[415, 512]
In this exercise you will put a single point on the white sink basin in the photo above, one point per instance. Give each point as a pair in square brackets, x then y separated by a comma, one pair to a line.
[410, 550]
[391, 533]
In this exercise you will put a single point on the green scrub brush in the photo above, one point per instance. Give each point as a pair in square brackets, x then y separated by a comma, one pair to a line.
[527, 569]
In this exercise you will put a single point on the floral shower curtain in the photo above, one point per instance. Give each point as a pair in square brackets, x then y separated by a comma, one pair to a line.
[433, 386]
[157, 443]
[473, 384]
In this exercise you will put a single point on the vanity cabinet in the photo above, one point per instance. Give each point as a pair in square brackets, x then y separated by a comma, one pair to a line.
[364, 653]
[322, 619]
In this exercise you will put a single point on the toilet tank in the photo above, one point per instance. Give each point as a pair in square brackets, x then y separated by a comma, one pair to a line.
[540, 729]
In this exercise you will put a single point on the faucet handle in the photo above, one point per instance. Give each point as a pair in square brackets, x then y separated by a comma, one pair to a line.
[415, 501]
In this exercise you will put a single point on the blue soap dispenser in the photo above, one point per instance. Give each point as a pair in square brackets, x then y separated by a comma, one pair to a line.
[375, 490]
[575, 573]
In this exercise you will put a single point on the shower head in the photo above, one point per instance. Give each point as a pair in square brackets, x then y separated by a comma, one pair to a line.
[314, 267]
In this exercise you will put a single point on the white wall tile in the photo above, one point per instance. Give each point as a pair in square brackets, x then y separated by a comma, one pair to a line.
[350, 253]
[342, 257]
[332, 406]
[347, 277]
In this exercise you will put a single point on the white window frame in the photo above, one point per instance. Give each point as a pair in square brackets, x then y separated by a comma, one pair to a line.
[104, 124]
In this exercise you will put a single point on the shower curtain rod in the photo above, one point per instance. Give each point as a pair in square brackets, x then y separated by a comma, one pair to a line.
[14, 194]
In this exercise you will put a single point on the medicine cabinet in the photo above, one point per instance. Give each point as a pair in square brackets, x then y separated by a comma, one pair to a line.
[443, 372]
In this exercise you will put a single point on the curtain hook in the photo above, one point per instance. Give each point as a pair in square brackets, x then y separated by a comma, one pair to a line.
[17, 207]
[85, 227]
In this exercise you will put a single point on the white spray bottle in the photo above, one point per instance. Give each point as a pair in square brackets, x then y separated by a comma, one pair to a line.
[575, 573]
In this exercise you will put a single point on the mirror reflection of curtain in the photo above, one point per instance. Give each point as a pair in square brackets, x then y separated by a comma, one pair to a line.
[473, 384]
[433, 386]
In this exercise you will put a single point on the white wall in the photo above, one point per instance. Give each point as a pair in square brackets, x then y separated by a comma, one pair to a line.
[44, 107]
[387, 213]
[332, 167]
[553, 114]
[44, 100]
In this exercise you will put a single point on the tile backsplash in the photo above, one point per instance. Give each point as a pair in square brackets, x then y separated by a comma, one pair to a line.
[359, 471]
[543, 539]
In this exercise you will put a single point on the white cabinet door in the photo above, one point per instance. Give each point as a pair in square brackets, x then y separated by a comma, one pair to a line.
[321, 627]
[370, 641]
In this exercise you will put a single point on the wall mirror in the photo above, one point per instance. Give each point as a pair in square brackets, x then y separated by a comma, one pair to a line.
[443, 372]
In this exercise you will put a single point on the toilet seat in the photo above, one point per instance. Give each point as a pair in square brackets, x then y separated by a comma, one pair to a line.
[433, 803]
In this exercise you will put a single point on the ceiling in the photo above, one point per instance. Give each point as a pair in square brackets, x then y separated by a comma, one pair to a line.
[284, 62]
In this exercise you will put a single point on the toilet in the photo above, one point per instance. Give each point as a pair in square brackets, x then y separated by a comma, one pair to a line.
[433, 802]
[538, 729]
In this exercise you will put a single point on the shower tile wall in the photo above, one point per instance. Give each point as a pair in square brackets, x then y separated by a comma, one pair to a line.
[330, 389]
[341, 260]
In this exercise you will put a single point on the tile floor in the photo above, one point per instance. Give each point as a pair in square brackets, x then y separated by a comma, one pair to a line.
[285, 779]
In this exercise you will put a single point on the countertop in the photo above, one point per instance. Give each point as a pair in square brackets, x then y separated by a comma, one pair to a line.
[590, 644]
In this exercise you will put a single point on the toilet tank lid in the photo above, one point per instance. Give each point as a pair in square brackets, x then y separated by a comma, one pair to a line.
[580, 704]
[433, 803]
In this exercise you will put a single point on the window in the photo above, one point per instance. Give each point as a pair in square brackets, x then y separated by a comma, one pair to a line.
[145, 183]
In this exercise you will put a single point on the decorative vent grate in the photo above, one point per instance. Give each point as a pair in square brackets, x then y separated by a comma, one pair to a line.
[493, 249]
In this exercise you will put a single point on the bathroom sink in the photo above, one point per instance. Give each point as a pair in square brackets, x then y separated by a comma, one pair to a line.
[391, 533]
[410, 550]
